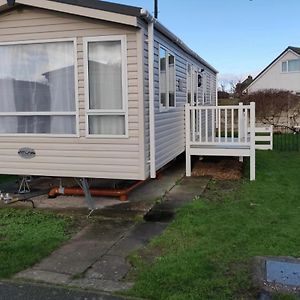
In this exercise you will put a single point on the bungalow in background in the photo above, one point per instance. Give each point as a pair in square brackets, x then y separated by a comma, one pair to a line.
[283, 73]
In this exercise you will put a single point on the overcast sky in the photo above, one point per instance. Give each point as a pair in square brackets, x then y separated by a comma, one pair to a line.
[238, 37]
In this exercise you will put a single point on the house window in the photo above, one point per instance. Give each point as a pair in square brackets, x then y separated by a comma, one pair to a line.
[106, 86]
[292, 65]
[37, 88]
[167, 79]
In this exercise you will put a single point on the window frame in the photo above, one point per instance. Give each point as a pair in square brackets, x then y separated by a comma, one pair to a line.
[207, 92]
[106, 112]
[45, 113]
[189, 85]
[167, 107]
[287, 66]
[192, 87]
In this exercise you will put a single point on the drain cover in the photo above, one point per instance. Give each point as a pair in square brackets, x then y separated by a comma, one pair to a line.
[286, 273]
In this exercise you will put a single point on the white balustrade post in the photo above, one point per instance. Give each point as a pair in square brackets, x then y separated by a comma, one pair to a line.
[240, 125]
[271, 135]
[252, 141]
[188, 166]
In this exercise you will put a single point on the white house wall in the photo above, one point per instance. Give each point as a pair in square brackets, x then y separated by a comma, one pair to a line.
[120, 158]
[274, 78]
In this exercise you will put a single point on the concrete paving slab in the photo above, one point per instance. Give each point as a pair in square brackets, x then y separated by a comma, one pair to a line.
[109, 267]
[140, 236]
[181, 194]
[46, 276]
[101, 285]
[34, 291]
[84, 249]
[194, 186]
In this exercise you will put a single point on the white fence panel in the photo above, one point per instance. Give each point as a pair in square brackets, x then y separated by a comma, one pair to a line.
[264, 141]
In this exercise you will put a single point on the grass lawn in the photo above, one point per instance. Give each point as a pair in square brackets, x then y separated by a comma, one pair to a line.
[206, 253]
[27, 236]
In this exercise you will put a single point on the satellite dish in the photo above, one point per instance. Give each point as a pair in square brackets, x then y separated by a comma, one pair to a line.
[10, 3]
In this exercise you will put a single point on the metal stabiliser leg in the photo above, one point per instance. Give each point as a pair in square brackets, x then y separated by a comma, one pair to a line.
[88, 198]
[24, 185]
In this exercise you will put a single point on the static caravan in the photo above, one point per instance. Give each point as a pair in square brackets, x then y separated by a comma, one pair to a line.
[93, 89]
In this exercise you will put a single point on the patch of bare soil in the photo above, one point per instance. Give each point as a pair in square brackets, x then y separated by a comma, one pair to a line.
[219, 168]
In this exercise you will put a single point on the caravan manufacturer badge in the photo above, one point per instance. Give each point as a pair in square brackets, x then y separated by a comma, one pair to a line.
[26, 153]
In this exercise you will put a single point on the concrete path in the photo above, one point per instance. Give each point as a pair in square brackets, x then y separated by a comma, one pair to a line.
[32, 291]
[96, 257]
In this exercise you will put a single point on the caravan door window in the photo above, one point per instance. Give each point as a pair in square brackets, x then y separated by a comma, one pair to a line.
[37, 88]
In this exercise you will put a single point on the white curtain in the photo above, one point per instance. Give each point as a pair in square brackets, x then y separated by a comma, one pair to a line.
[172, 80]
[195, 88]
[62, 88]
[105, 87]
[163, 77]
[107, 125]
[37, 78]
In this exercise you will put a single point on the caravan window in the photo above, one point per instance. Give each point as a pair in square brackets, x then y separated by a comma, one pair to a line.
[207, 91]
[37, 88]
[167, 79]
[189, 83]
[192, 84]
[106, 86]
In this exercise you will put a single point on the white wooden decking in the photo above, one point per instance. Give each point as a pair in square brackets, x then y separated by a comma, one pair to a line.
[220, 131]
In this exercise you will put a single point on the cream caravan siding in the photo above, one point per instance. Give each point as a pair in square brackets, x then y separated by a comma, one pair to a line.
[273, 78]
[75, 157]
[169, 125]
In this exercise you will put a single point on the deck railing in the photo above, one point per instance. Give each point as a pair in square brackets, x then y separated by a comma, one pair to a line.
[215, 125]
[220, 131]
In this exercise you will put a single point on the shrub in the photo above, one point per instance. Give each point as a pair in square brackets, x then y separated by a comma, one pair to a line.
[276, 107]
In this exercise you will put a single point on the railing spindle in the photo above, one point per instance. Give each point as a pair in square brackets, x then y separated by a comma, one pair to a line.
[232, 125]
[200, 122]
[240, 112]
[246, 125]
[193, 125]
[219, 121]
[213, 125]
[226, 125]
[206, 125]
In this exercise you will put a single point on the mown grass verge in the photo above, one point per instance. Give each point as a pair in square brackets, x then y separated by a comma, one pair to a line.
[206, 253]
[26, 236]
